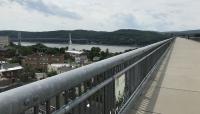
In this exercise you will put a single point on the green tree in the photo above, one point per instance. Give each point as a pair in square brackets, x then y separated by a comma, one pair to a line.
[94, 52]
[105, 55]
[25, 51]
[11, 52]
[15, 59]
[62, 50]
[28, 73]
[53, 73]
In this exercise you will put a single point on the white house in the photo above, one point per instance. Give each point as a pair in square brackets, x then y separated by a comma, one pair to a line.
[59, 68]
[79, 56]
[40, 76]
[119, 87]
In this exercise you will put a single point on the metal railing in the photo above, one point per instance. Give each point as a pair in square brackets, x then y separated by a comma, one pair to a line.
[104, 87]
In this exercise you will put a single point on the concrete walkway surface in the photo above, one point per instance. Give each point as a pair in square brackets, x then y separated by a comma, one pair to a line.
[176, 87]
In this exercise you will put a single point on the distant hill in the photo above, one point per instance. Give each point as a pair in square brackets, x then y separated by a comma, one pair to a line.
[191, 32]
[188, 32]
[119, 37]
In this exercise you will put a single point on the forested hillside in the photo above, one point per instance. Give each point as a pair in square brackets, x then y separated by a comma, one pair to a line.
[120, 37]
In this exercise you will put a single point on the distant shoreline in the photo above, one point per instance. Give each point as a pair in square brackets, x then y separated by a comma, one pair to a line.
[111, 48]
[123, 45]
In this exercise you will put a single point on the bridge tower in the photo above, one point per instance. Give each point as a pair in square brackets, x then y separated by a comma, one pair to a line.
[19, 38]
[70, 42]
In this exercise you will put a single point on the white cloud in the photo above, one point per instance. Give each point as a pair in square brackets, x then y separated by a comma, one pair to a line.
[40, 15]
[47, 9]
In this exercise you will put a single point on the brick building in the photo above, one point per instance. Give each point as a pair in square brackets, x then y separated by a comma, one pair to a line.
[40, 61]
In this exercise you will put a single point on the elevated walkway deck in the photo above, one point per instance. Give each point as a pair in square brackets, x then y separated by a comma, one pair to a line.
[176, 87]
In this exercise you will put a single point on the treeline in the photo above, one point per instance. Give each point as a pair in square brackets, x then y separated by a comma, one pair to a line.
[120, 37]
[15, 50]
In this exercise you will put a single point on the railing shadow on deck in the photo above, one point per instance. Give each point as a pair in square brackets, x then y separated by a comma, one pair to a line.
[146, 102]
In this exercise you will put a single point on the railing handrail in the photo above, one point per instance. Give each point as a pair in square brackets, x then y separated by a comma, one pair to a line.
[24, 97]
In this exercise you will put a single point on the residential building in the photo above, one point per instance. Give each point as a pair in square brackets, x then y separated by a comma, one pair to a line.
[59, 68]
[79, 56]
[10, 72]
[3, 53]
[40, 61]
[96, 58]
[40, 76]
[81, 59]
[4, 41]
[4, 82]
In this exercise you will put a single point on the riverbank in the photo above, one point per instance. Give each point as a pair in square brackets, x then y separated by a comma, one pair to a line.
[111, 48]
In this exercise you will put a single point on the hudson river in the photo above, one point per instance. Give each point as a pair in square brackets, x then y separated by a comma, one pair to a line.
[112, 48]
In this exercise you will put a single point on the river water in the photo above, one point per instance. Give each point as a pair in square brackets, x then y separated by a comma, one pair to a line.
[112, 48]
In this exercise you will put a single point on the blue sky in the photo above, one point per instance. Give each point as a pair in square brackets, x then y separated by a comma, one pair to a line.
[101, 15]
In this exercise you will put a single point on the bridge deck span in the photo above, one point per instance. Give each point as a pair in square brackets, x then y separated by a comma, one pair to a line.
[175, 89]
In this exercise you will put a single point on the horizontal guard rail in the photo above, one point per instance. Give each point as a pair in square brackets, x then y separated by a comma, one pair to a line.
[18, 100]
[67, 108]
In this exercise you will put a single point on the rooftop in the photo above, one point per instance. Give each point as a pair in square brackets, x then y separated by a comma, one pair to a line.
[74, 52]
[10, 67]
[60, 65]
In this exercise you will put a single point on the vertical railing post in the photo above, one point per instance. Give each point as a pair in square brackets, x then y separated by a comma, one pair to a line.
[57, 102]
[36, 109]
[48, 107]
